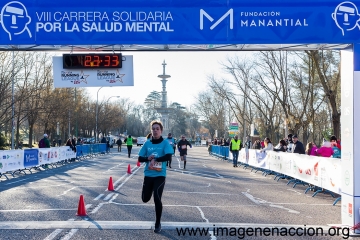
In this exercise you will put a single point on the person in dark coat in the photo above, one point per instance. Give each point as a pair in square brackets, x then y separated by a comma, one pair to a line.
[298, 147]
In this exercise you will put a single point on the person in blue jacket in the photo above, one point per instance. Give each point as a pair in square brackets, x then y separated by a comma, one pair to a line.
[155, 153]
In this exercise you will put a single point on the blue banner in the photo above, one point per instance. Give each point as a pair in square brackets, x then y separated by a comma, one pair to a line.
[78, 22]
[31, 157]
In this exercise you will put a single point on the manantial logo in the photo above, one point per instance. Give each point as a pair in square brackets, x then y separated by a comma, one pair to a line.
[346, 17]
[203, 14]
[15, 19]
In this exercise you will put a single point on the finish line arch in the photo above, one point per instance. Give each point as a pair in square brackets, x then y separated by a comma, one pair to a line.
[219, 25]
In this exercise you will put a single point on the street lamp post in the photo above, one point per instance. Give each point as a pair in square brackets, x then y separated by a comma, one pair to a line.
[96, 114]
[97, 111]
[12, 103]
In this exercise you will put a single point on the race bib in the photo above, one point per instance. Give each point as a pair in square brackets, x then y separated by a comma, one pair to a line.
[183, 147]
[170, 141]
[157, 166]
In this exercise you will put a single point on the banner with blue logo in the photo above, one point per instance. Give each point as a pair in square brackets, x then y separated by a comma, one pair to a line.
[31, 157]
[78, 22]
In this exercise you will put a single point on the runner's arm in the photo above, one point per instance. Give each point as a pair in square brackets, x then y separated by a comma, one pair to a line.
[143, 159]
[166, 157]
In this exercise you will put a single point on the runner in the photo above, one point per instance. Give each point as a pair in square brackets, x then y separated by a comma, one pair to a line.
[155, 152]
[182, 147]
[171, 140]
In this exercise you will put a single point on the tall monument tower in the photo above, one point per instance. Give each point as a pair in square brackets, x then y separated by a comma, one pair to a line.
[164, 110]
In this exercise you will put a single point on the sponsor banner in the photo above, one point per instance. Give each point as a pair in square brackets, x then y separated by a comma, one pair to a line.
[65, 152]
[64, 78]
[31, 157]
[11, 160]
[319, 171]
[49, 155]
[71, 22]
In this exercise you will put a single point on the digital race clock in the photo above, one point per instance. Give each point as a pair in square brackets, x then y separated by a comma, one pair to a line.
[95, 61]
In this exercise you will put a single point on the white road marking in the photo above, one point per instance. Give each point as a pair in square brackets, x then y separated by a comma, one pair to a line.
[16, 181]
[281, 207]
[101, 204]
[140, 225]
[207, 221]
[225, 194]
[130, 176]
[65, 192]
[53, 234]
[39, 210]
[209, 185]
[98, 197]
[248, 195]
[88, 206]
[70, 234]
[108, 196]
[98, 207]
[293, 190]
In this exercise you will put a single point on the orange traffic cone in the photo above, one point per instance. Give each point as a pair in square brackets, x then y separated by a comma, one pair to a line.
[81, 208]
[129, 169]
[138, 164]
[110, 186]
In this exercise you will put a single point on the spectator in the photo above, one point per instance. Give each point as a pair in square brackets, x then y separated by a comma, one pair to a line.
[103, 140]
[325, 150]
[247, 144]
[73, 141]
[267, 145]
[44, 142]
[262, 144]
[310, 149]
[226, 142]
[256, 145]
[107, 146]
[59, 142]
[69, 143]
[337, 151]
[298, 147]
[119, 143]
[334, 139]
[215, 141]
[281, 147]
[54, 143]
[289, 143]
[20, 145]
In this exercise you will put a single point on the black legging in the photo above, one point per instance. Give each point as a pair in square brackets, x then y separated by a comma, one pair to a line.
[129, 147]
[154, 185]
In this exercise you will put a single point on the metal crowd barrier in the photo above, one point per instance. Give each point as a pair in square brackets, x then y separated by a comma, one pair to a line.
[221, 152]
[13, 161]
[320, 174]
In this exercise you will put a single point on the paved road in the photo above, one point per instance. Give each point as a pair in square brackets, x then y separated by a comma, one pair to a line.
[209, 194]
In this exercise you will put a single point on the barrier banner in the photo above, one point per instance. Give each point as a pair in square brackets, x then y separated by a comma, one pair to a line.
[330, 172]
[319, 171]
[31, 157]
[11, 160]
[65, 152]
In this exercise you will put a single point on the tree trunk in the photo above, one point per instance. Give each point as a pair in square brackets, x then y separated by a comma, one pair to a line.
[31, 129]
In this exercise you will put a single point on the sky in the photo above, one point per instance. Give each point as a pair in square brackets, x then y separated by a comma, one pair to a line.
[188, 71]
